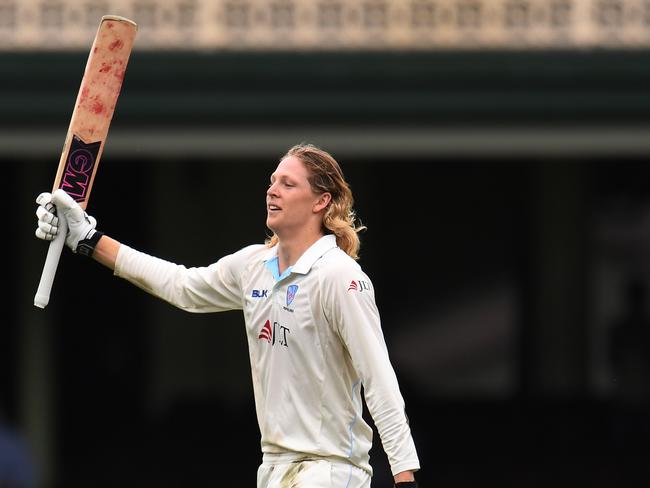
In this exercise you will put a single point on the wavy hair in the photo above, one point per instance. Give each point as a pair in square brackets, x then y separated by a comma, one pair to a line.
[325, 175]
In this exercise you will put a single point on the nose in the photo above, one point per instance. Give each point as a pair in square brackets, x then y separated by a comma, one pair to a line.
[272, 190]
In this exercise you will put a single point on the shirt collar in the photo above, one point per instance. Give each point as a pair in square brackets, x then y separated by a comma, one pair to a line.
[314, 253]
[310, 256]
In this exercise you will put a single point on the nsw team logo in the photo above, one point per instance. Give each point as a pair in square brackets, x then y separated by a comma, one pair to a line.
[291, 293]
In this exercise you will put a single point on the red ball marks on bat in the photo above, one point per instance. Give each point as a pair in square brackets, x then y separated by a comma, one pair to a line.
[116, 44]
[109, 25]
[105, 68]
[97, 107]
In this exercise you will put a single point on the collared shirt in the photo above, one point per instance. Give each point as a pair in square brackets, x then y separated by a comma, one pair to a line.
[314, 339]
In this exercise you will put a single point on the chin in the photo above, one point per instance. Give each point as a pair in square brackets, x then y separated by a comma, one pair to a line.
[269, 224]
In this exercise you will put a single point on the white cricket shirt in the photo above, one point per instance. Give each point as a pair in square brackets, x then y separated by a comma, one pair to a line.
[314, 338]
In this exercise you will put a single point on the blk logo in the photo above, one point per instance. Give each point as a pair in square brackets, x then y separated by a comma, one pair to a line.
[260, 293]
[273, 333]
[359, 285]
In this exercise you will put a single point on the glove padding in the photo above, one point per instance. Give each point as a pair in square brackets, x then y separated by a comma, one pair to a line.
[81, 226]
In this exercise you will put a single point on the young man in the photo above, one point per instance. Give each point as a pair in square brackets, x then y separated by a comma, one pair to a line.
[313, 328]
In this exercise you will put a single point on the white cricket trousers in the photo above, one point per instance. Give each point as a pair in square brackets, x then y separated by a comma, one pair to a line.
[310, 473]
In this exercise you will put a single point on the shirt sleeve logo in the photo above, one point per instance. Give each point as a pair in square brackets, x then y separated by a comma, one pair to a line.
[359, 285]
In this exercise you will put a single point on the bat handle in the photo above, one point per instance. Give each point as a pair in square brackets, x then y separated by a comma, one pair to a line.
[42, 296]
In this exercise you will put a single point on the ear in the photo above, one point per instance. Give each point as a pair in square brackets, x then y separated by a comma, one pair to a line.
[322, 202]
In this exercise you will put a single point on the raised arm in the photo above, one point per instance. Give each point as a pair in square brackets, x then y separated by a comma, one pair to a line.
[203, 289]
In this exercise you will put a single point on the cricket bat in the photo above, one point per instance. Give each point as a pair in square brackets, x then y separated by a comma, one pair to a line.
[91, 118]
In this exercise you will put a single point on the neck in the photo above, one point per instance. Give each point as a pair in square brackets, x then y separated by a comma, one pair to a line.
[290, 250]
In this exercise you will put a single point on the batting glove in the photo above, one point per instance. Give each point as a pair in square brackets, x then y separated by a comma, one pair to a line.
[81, 237]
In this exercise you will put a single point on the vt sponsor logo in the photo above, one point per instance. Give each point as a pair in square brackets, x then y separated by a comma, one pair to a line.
[260, 293]
[359, 285]
[273, 333]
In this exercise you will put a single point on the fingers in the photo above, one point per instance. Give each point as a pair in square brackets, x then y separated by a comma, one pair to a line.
[46, 236]
[45, 200]
[47, 228]
[46, 216]
[46, 231]
[47, 221]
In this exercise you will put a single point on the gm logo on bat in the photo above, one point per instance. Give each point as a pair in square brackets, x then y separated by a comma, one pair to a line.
[79, 168]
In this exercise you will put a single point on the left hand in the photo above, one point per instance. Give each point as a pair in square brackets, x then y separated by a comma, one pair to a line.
[405, 479]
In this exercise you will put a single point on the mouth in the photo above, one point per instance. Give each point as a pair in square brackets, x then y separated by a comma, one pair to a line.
[273, 208]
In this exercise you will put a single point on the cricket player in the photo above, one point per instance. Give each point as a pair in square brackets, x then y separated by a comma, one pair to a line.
[313, 328]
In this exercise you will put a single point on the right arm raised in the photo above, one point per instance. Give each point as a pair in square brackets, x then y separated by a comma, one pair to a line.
[204, 289]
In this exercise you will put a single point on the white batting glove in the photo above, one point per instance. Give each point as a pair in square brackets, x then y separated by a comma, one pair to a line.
[81, 237]
[47, 220]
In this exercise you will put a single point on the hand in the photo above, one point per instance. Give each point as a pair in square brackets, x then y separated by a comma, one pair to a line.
[406, 484]
[81, 226]
[405, 479]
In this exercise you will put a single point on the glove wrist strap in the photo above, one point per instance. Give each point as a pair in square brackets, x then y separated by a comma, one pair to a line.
[86, 246]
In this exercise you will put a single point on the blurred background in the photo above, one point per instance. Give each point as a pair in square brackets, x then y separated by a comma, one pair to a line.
[498, 152]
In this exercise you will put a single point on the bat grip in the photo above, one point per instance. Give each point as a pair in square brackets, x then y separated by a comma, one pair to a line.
[42, 296]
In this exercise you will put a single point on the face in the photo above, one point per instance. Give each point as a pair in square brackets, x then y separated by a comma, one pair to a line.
[291, 205]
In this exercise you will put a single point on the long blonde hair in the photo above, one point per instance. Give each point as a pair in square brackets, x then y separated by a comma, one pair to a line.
[325, 175]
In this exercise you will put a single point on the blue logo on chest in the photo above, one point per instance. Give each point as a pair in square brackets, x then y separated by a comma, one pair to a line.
[260, 293]
[291, 293]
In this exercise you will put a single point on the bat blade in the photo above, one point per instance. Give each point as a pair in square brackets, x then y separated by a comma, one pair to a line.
[91, 118]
